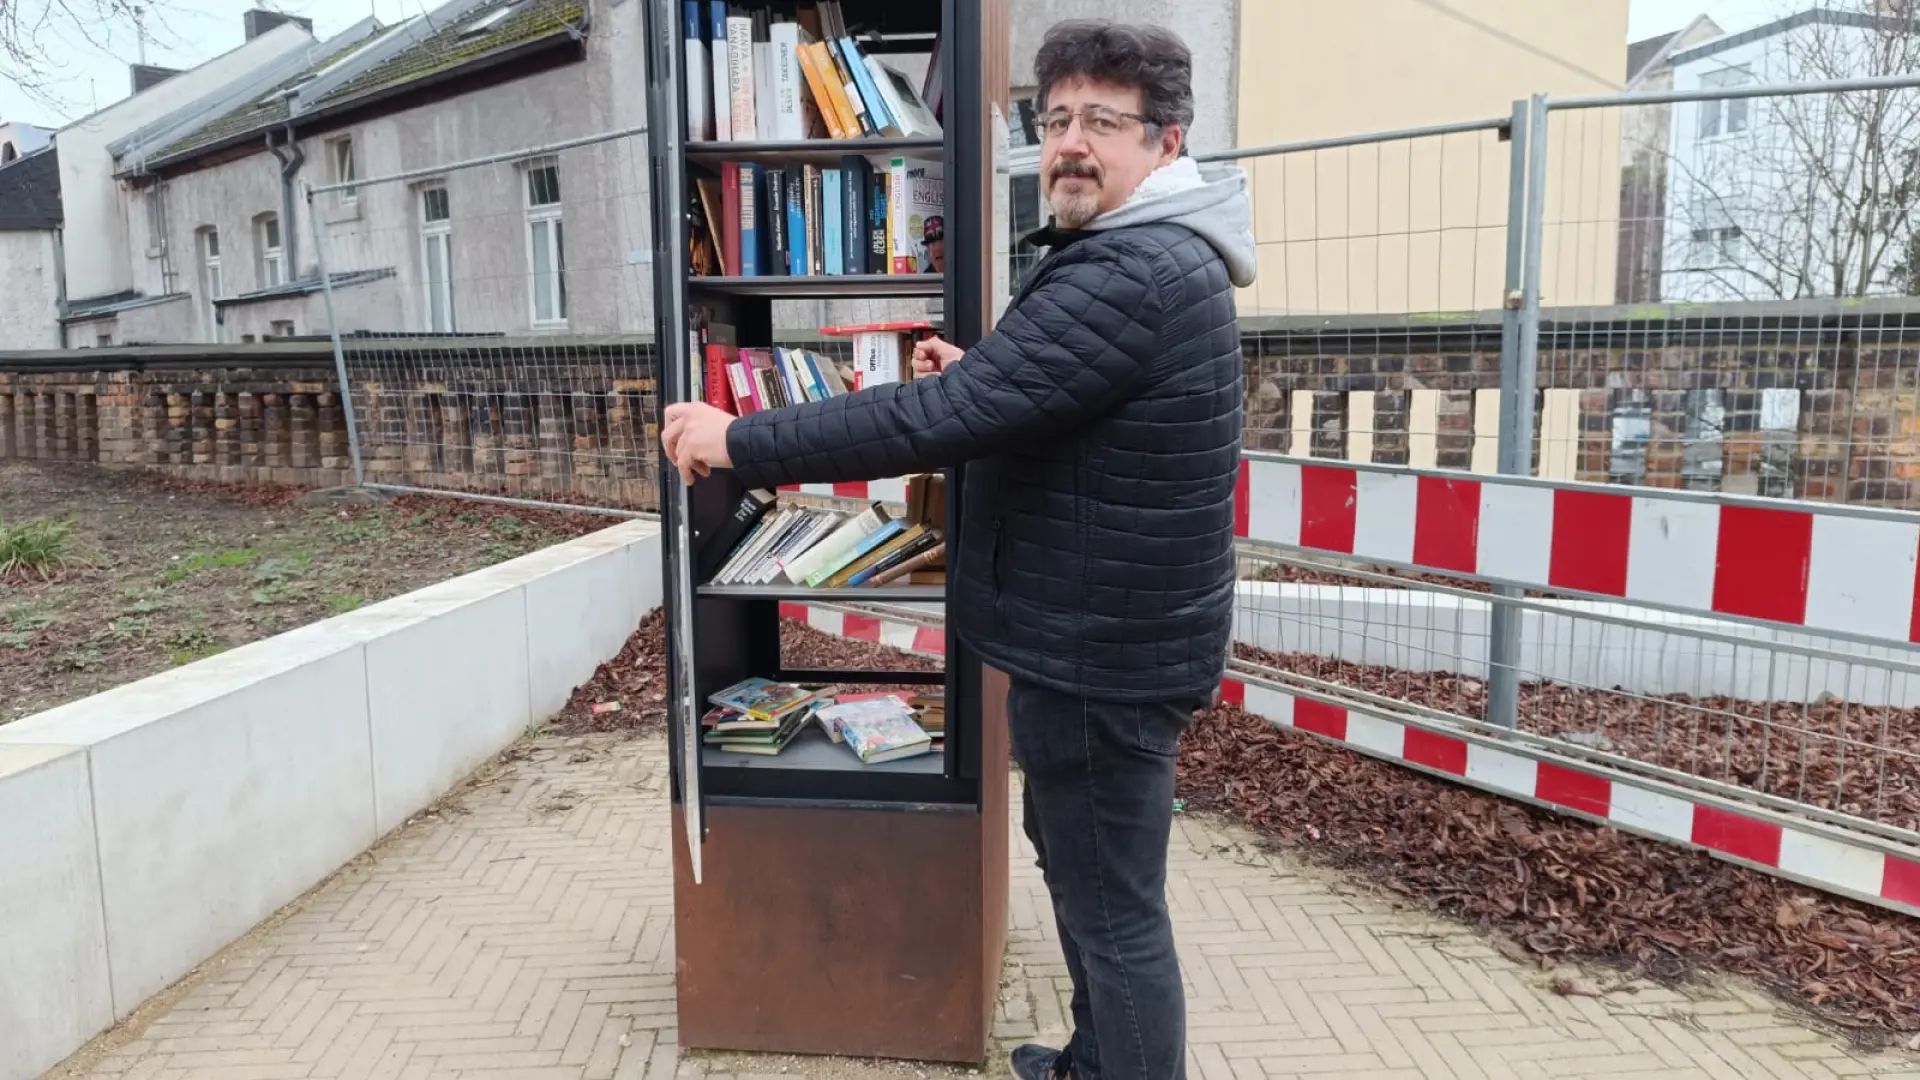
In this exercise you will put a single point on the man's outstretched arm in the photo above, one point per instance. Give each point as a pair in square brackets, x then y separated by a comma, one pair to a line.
[1066, 353]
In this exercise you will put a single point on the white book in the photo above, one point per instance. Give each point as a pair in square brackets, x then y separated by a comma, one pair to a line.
[699, 102]
[763, 89]
[837, 544]
[902, 100]
[876, 358]
[789, 121]
[721, 65]
[740, 75]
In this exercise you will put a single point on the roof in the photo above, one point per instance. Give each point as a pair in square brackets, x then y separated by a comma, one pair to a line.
[306, 286]
[409, 52]
[1810, 17]
[30, 192]
[99, 307]
[1641, 53]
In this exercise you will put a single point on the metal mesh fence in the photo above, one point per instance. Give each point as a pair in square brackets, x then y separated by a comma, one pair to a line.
[1768, 717]
[1759, 337]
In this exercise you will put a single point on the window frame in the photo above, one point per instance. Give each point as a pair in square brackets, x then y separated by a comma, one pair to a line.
[436, 232]
[343, 161]
[546, 228]
[273, 254]
[1722, 117]
[213, 279]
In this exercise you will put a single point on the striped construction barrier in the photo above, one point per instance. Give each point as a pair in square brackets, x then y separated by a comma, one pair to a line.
[1833, 859]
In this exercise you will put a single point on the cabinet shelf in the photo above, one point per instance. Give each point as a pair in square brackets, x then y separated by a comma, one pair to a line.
[823, 286]
[811, 151]
[800, 593]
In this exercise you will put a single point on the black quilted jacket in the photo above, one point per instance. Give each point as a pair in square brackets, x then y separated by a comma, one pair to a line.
[1101, 424]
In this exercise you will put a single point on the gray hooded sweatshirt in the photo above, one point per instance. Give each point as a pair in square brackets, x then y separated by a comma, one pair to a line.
[1209, 199]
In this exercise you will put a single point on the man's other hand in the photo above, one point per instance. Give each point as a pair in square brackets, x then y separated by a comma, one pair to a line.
[695, 435]
[931, 356]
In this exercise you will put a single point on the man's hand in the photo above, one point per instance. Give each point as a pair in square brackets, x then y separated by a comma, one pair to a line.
[932, 356]
[695, 435]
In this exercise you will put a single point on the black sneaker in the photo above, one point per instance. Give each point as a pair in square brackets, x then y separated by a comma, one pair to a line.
[1032, 1061]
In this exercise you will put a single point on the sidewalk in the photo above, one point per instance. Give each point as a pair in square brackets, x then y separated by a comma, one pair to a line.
[523, 931]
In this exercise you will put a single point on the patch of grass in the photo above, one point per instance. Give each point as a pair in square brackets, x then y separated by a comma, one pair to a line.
[22, 623]
[36, 548]
[341, 603]
[190, 644]
[131, 628]
[356, 530]
[508, 527]
[79, 658]
[217, 560]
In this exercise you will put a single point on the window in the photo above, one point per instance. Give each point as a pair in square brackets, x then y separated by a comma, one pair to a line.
[546, 246]
[283, 328]
[212, 284]
[1724, 116]
[273, 261]
[436, 258]
[340, 154]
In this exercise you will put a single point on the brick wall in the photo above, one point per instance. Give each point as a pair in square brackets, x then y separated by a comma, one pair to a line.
[1801, 410]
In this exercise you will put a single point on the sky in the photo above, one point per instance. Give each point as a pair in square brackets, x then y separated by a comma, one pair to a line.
[182, 33]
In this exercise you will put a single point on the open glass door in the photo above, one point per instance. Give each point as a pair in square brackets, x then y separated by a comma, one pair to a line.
[665, 131]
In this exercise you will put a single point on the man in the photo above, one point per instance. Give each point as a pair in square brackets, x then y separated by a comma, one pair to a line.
[1100, 423]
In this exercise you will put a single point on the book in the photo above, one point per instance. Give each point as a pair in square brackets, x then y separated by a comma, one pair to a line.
[763, 699]
[714, 548]
[917, 215]
[883, 734]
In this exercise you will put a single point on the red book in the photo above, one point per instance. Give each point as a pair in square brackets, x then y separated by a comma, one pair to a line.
[719, 382]
[730, 210]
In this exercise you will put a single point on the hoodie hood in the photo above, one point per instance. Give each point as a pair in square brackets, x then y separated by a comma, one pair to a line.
[1209, 199]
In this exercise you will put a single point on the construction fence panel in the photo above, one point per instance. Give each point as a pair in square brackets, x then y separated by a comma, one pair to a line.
[1728, 295]
[493, 320]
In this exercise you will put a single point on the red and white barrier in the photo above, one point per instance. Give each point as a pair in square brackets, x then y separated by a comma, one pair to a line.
[886, 491]
[905, 636]
[1830, 568]
[1824, 858]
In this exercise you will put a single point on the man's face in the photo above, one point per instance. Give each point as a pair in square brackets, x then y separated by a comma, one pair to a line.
[1103, 152]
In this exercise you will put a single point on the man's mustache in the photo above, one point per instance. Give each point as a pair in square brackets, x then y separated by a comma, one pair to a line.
[1074, 168]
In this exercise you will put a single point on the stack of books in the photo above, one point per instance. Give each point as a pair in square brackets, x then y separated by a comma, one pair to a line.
[758, 716]
[754, 74]
[742, 379]
[930, 712]
[861, 216]
[764, 543]
[876, 727]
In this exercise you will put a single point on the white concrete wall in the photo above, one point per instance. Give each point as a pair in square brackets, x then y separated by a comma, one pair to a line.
[99, 258]
[145, 828]
[29, 305]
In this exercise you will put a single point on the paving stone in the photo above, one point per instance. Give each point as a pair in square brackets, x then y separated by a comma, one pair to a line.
[504, 942]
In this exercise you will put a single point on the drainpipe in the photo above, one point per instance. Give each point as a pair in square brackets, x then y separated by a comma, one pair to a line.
[290, 163]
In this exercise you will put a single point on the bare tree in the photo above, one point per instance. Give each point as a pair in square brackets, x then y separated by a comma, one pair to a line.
[32, 32]
[1814, 195]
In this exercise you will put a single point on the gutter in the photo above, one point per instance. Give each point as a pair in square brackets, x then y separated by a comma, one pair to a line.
[289, 168]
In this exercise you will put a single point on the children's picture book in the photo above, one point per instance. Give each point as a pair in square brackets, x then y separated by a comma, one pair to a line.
[763, 699]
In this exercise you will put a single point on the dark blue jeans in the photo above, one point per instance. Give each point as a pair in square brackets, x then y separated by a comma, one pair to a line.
[1098, 793]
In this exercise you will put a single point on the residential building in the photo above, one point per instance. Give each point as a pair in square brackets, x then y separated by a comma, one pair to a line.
[1646, 132]
[17, 140]
[537, 243]
[30, 250]
[1418, 225]
[101, 284]
[1791, 197]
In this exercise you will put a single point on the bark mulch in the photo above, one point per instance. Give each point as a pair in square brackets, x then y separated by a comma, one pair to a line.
[1857, 759]
[1554, 889]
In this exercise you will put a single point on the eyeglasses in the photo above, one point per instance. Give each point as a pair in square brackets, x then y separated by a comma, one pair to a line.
[1096, 121]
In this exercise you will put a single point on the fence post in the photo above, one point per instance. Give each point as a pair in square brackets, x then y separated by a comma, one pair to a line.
[1519, 350]
[339, 354]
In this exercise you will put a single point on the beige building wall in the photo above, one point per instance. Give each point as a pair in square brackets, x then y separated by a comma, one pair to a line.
[1420, 225]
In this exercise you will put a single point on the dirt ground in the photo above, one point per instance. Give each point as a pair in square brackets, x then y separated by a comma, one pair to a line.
[167, 573]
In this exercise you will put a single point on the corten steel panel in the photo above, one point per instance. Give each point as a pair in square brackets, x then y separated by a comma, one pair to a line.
[995, 843]
[850, 932]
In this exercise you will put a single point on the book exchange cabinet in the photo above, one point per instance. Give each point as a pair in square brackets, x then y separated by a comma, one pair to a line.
[827, 899]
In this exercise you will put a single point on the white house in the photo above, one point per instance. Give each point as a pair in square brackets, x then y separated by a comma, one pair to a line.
[30, 250]
[17, 140]
[1794, 197]
[99, 266]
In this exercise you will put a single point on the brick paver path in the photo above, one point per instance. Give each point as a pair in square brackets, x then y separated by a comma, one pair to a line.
[523, 932]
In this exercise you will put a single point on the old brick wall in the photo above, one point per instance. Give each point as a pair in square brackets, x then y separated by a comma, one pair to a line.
[1798, 411]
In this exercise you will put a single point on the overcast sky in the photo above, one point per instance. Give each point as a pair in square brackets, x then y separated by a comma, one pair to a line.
[187, 32]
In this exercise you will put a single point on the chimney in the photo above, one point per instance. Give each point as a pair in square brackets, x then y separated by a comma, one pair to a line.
[259, 22]
[147, 76]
